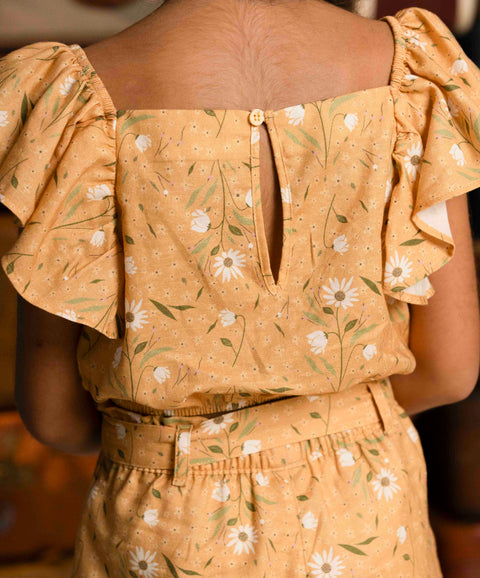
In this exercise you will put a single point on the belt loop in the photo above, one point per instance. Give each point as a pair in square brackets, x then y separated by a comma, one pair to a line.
[182, 453]
[381, 398]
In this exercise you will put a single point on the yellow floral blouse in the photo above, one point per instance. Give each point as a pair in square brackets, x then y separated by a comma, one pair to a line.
[145, 226]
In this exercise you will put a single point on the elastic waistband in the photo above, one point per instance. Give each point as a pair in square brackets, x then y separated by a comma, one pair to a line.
[183, 442]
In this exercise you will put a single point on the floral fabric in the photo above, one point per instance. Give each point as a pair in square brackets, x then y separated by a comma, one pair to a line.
[330, 485]
[146, 226]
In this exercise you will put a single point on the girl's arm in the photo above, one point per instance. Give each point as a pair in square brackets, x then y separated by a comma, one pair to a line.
[54, 406]
[445, 334]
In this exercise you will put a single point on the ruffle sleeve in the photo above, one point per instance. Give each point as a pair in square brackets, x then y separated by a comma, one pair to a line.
[436, 153]
[57, 175]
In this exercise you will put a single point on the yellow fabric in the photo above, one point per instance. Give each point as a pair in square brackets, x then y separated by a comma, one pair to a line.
[330, 485]
[146, 226]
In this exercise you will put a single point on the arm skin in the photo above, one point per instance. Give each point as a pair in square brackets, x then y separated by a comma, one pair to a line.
[445, 334]
[445, 339]
[52, 403]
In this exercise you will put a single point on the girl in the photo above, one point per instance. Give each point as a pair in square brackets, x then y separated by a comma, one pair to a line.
[230, 295]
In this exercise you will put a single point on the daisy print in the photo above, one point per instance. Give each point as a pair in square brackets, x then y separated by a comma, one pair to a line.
[326, 565]
[98, 238]
[143, 563]
[346, 458]
[413, 159]
[286, 194]
[340, 293]
[229, 264]
[69, 314]
[340, 244]
[130, 268]
[369, 351]
[135, 317]
[98, 193]
[385, 485]
[251, 447]
[227, 317]
[402, 534]
[215, 425]
[309, 521]
[397, 270]
[457, 154]
[295, 114]
[261, 479]
[3, 118]
[151, 517]
[161, 374]
[459, 67]
[413, 38]
[243, 539]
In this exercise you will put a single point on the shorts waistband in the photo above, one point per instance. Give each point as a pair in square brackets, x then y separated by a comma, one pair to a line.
[183, 442]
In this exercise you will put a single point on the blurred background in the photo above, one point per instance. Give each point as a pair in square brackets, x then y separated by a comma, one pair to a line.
[42, 491]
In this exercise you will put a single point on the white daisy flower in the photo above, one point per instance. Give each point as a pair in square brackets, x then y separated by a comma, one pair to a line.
[385, 485]
[201, 221]
[66, 87]
[413, 159]
[339, 293]
[215, 424]
[69, 314]
[315, 455]
[130, 268]
[402, 534]
[351, 121]
[161, 374]
[261, 479]
[295, 114]
[121, 431]
[229, 264]
[346, 457]
[457, 154]
[309, 521]
[151, 517]
[286, 194]
[410, 76]
[98, 238]
[414, 39]
[117, 356]
[3, 118]
[369, 351]
[221, 493]
[412, 434]
[135, 318]
[143, 142]
[340, 244]
[248, 198]
[99, 192]
[227, 317]
[143, 563]
[397, 270]
[243, 539]
[459, 67]
[251, 447]
[388, 190]
[184, 442]
[318, 341]
[326, 565]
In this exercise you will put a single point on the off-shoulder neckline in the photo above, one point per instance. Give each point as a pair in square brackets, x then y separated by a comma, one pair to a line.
[396, 74]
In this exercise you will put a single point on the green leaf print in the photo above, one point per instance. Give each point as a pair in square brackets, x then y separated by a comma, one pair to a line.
[163, 309]
[140, 347]
[14, 181]
[310, 139]
[356, 476]
[313, 365]
[134, 119]
[235, 230]
[182, 307]
[338, 101]
[302, 498]
[201, 245]
[350, 325]
[271, 544]
[171, 567]
[361, 332]
[215, 449]
[374, 452]
[341, 218]
[476, 128]
[241, 219]
[129, 240]
[328, 366]
[232, 521]
[250, 506]
[371, 285]
[313, 317]
[233, 427]
[189, 572]
[450, 87]
[328, 310]
[369, 476]
[75, 192]
[445, 132]
[156, 493]
[154, 352]
[219, 513]
[24, 109]
[367, 541]
[248, 428]
[406, 557]
[226, 342]
[262, 499]
[353, 549]
[279, 328]
[411, 242]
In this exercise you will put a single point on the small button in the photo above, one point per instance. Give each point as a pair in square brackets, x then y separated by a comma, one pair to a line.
[256, 117]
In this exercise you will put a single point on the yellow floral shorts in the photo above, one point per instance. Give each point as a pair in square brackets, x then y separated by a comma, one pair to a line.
[330, 485]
